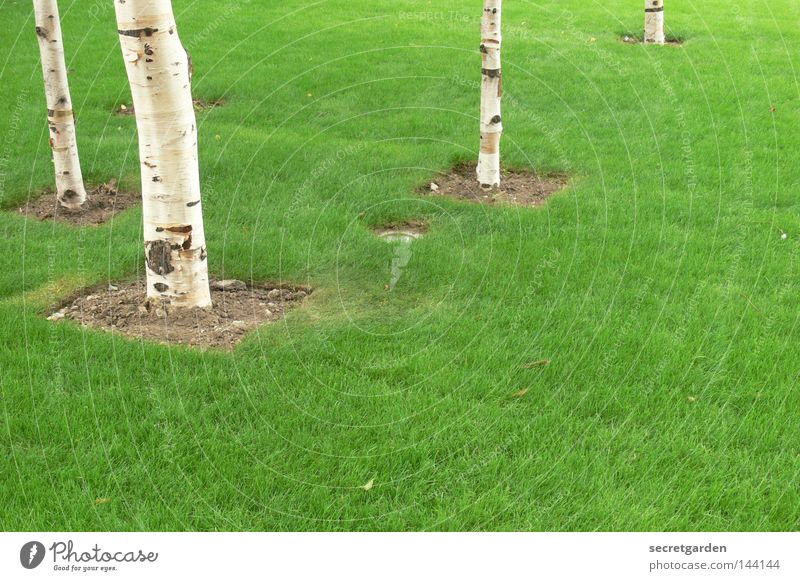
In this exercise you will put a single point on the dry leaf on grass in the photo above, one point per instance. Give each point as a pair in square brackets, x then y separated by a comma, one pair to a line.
[521, 392]
[368, 486]
[540, 363]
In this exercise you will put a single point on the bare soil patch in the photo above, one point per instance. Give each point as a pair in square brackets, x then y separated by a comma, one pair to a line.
[634, 39]
[199, 106]
[406, 229]
[238, 309]
[104, 202]
[517, 187]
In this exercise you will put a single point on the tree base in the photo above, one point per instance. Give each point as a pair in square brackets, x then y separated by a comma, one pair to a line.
[639, 39]
[517, 187]
[237, 309]
[104, 202]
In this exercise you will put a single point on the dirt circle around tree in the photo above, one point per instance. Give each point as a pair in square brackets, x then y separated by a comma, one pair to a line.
[237, 309]
[634, 39]
[103, 203]
[518, 187]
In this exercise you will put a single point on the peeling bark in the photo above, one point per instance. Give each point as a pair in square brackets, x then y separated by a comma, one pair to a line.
[491, 92]
[60, 119]
[654, 22]
[158, 73]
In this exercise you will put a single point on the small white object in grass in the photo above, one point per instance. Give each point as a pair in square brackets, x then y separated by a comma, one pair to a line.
[228, 285]
[434, 187]
[57, 316]
[368, 486]
[123, 107]
[784, 236]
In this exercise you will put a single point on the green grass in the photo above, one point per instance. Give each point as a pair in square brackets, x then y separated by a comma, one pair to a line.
[658, 284]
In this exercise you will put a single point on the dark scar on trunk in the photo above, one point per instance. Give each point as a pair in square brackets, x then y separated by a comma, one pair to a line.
[41, 32]
[138, 32]
[159, 257]
[161, 287]
[179, 229]
[190, 204]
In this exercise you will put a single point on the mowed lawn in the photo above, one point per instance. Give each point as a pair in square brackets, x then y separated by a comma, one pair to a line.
[661, 284]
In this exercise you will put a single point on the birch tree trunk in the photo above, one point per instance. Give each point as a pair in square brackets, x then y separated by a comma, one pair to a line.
[158, 72]
[60, 119]
[491, 92]
[654, 21]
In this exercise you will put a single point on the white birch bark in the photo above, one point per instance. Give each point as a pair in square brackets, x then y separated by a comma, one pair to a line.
[654, 22]
[158, 72]
[491, 91]
[60, 119]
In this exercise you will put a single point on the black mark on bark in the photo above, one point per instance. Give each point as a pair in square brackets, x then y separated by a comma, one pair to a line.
[159, 257]
[180, 229]
[138, 32]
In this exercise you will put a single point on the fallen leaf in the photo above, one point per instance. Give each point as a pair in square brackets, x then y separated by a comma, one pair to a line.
[102, 500]
[593, 39]
[521, 392]
[691, 399]
[772, 109]
[218, 137]
[368, 486]
[540, 363]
